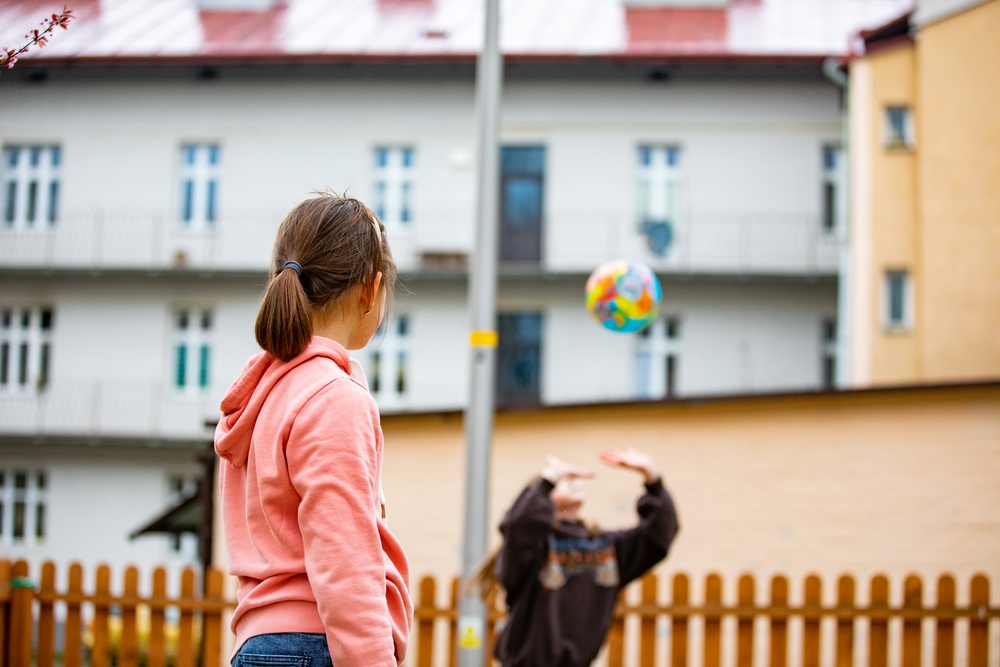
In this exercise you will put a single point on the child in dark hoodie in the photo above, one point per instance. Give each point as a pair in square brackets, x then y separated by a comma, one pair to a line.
[561, 579]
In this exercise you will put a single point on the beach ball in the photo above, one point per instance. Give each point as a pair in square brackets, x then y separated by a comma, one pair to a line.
[623, 295]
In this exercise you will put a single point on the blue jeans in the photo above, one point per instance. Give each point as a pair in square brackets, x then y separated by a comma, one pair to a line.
[284, 649]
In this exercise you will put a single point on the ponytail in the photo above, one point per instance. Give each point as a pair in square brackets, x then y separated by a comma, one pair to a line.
[284, 321]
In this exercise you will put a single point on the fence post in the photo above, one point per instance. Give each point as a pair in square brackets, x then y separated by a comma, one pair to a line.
[845, 621]
[424, 616]
[22, 595]
[211, 619]
[744, 622]
[811, 615]
[713, 621]
[73, 641]
[647, 623]
[878, 640]
[128, 640]
[47, 616]
[678, 624]
[4, 603]
[779, 621]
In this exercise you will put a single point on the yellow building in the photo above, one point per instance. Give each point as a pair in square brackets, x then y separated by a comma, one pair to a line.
[924, 295]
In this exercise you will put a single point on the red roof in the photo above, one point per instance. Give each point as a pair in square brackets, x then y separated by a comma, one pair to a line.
[142, 30]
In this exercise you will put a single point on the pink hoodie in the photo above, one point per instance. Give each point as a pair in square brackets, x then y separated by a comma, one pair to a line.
[302, 504]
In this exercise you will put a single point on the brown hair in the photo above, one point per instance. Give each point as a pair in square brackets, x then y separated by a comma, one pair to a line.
[339, 243]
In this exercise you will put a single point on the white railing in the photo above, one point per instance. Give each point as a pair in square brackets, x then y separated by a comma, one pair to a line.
[107, 408]
[724, 243]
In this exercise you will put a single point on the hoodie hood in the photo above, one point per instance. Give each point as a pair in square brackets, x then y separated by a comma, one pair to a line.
[245, 398]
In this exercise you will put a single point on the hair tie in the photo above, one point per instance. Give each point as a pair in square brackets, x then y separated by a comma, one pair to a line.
[293, 265]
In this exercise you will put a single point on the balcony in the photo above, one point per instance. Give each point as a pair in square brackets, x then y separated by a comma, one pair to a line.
[574, 241]
[140, 410]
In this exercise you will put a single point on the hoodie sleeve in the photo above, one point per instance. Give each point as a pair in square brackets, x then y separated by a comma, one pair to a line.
[525, 528]
[640, 548]
[334, 461]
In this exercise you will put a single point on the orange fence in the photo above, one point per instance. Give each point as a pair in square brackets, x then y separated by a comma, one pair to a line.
[43, 625]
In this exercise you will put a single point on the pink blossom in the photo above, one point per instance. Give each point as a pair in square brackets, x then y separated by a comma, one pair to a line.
[40, 37]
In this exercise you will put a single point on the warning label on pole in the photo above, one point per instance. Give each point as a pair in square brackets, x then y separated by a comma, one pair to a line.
[470, 632]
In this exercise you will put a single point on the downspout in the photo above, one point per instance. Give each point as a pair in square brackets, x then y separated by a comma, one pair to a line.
[834, 72]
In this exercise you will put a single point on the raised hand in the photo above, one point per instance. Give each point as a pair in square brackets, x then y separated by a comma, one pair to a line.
[556, 469]
[631, 458]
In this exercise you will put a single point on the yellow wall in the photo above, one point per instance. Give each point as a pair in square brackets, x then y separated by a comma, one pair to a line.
[893, 481]
[958, 60]
[885, 218]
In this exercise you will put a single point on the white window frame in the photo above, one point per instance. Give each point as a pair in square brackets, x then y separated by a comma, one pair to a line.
[195, 339]
[653, 348]
[34, 498]
[25, 348]
[659, 183]
[199, 185]
[898, 134]
[30, 182]
[388, 367]
[393, 184]
[897, 283]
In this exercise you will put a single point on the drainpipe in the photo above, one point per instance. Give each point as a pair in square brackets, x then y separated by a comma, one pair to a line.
[834, 72]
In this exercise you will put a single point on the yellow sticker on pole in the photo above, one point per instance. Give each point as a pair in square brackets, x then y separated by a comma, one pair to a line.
[483, 338]
[470, 632]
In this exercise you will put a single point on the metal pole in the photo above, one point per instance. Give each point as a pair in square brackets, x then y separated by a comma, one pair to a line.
[483, 342]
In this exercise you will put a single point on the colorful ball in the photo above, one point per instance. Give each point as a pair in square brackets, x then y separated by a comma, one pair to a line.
[623, 295]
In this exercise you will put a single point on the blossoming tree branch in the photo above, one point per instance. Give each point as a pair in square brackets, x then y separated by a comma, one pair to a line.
[37, 37]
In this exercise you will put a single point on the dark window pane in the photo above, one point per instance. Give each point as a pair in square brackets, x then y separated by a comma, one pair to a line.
[522, 204]
[11, 199]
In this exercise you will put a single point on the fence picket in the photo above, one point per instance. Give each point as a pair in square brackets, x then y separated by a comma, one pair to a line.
[713, 621]
[779, 621]
[811, 615]
[46, 617]
[878, 634]
[185, 625]
[128, 648]
[19, 648]
[678, 623]
[157, 651]
[944, 630]
[211, 619]
[845, 621]
[744, 622]
[912, 630]
[979, 637]
[73, 639]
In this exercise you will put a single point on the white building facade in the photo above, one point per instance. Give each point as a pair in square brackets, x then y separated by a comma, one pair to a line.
[141, 194]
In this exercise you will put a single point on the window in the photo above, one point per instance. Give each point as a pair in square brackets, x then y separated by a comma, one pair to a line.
[828, 329]
[199, 185]
[897, 313]
[522, 205]
[192, 350]
[393, 200]
[832, 179]
[898, 127]
[519, 359]
[25, 348]
[657, 358]
[22, 506]
[388, 369]
[30, 186]
[659, 194]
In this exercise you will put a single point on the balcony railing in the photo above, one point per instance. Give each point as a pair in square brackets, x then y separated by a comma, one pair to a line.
[107, 408]
[723, 243]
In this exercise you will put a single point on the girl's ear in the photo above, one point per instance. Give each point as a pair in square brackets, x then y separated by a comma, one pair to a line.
[370, 293]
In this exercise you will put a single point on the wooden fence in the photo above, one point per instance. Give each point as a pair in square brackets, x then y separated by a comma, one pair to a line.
[43, 625]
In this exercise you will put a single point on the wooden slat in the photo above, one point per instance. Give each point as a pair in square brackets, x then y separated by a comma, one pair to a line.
[186, 650]
[616, 638]
[46, 616]
[4, 603]
[19, 629]
[679, 623]
[845, 621]
[779, 622]
[647, 623]
[878, 634]
[979, 625]
[944, 629]
[912, 601]
[713, 621]
[157, 653]
[99, 655]
[128, 648]
[425, 614]
[811, 605]
[744, 624]
[73, 639]
[211, 620]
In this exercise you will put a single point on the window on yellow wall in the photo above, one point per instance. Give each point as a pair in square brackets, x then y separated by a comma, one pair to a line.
[898, 309]
[898, 126]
